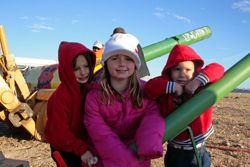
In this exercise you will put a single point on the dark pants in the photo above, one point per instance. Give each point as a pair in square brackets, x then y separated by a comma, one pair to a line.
[186, 158]
[70, 159]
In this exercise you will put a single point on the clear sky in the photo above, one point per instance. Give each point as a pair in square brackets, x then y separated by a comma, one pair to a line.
[35, 28]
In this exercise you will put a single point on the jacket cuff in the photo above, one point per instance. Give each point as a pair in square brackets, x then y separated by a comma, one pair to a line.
[81, 150]
[202, 78]
[170, 87]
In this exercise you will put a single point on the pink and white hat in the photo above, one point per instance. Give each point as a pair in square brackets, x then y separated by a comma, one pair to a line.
[125, 44]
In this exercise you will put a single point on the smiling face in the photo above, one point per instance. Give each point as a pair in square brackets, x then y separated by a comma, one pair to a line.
[120, 67]
[183, 72]
[81, 69]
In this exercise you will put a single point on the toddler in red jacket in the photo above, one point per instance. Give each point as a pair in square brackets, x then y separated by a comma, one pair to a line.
[181, 77]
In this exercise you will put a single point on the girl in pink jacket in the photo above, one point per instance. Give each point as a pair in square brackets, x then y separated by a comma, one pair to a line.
[117, 112]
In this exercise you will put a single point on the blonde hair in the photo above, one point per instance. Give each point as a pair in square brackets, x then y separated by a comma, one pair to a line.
[135, 94]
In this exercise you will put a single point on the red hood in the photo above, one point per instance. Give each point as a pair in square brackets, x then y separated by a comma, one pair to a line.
[66, 54]
[181, 53]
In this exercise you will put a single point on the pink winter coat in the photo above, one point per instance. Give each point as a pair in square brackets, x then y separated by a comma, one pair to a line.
[114, 127]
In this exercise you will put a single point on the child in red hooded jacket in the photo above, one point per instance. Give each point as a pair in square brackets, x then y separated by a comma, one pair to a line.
[64, 130]
[181, 77]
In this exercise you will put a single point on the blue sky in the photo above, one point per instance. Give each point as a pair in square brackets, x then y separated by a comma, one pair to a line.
[34, 29]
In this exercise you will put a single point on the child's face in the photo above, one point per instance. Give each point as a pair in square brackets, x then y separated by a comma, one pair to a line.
[183, 72]
[120, 66]
[95, 49]
[81, 69]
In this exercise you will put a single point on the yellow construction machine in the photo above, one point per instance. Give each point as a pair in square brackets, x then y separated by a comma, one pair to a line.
[17, 102]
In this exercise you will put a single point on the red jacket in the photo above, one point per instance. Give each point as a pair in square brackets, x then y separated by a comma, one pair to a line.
[160, 87]
[64, 129]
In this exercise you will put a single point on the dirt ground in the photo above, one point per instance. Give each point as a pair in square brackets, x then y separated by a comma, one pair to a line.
[229, 145]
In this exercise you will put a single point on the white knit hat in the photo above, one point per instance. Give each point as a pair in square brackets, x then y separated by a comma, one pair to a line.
[98, 44]
[125, 44]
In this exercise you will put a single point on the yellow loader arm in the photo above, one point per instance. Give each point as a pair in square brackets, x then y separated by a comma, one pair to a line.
[14, 91]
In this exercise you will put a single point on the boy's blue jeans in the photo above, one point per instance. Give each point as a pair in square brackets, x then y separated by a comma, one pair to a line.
[186, 158]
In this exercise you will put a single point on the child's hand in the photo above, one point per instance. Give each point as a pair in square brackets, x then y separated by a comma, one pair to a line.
[178, 89]
[192, 86]
[88, 159]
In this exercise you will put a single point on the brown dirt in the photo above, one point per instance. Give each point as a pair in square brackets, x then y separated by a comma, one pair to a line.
[232, 133]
